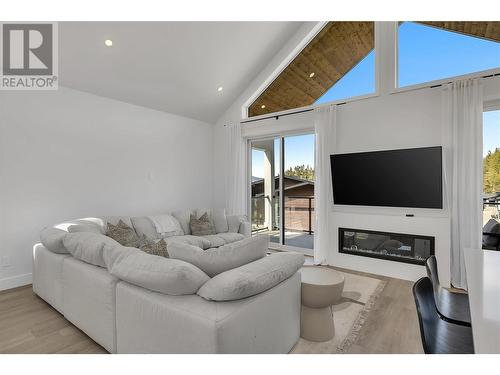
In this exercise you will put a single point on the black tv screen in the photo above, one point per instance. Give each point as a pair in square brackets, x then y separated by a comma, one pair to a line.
[395, 178]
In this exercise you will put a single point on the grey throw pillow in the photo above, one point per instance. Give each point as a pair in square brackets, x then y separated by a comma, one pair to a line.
[217, 260]
[201, 226]
[164, 275]
[252, 278]
[123, 234]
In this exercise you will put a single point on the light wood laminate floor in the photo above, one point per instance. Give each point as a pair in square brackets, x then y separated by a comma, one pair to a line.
[30, 325]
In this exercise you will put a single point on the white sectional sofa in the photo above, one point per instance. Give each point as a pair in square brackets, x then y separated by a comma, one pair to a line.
[141, 303]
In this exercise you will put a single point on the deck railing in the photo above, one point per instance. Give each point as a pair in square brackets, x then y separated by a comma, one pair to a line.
[299, 213]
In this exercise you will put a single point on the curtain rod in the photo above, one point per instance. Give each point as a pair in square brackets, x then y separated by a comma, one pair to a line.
[447, 83]
[312, 109]
[285, 114]
[278, 116]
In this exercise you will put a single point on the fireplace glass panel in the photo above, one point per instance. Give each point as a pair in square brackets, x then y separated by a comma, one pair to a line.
[409, 248]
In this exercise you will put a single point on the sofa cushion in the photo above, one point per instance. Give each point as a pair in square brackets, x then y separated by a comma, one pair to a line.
[145, 227]
[215, 240]
[183, 218]
[84, 228]
[230, 237]
[216, 260]
[123, 234]
[52, 239]
[87, 221]
[88, 247]
[252, 278]
[164, 275]
[191, 240]
[201, 226]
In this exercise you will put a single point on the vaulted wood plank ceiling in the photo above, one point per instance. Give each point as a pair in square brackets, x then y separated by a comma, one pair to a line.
[487, 29]
[338, 48]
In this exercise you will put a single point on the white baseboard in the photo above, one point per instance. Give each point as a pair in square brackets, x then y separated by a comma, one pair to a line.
[16, 281]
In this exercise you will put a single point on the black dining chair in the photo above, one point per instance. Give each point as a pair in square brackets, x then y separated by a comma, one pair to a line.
[453, 307]
[438, 336]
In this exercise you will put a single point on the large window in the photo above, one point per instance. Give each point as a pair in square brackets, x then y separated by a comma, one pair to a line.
[359, 81]
[282, 189]
[491, 178]
[491, 163]
[428, 53]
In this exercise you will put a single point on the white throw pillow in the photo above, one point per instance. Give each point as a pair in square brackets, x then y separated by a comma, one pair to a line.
[216, 260]
[88, 247]
[183, 217]
[167, 225]
[144, 227]
[252, 278]
[234, 223]
[164, 275]
[220, 220]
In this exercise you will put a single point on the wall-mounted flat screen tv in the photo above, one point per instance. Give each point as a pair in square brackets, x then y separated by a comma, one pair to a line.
[395, 178]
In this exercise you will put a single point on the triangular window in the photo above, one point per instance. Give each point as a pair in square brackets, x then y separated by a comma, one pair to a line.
[430, 51]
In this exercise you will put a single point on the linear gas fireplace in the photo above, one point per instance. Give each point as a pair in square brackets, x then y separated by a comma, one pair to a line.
[408, 248]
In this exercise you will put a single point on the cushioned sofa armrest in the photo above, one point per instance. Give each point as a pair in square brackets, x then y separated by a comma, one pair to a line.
[245, 228]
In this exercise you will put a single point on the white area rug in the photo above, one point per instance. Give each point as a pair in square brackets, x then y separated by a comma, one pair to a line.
[358, 298]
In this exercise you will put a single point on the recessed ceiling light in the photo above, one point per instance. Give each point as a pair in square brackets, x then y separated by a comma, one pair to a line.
[108, 42]
[263, 106]
[220, 88]
[311, 75]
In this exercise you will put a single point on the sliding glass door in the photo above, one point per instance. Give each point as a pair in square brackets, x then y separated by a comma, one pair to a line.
[265, 198]
[299, 191]
[282, 189]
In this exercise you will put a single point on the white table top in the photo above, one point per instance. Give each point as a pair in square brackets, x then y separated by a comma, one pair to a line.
[483, 283]
[320, 275]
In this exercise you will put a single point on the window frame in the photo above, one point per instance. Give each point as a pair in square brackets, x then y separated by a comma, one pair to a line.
[386, 71]
[293, 55]
[281, 246]
[437, 82]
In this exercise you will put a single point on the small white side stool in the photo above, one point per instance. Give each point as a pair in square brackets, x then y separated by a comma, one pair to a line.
[321, 288]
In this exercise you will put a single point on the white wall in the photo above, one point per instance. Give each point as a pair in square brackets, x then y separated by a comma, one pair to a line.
[68, 154]
[387, 121]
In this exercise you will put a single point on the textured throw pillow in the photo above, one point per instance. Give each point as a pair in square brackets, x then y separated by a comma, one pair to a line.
[123, 234]
[154, 247]
[201, 226]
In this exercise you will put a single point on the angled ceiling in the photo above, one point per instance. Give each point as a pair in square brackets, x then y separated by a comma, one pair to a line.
[337, 48]
[485, 29]
[174, 67]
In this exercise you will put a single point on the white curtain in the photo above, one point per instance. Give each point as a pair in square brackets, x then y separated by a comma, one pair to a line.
[236, 171]
[463, 144]
[325, 131]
